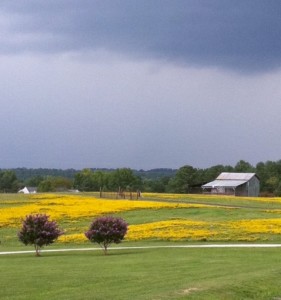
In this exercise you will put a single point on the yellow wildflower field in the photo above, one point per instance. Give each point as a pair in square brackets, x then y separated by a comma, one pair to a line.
[167, 220]
[206, 197]
[246, 230]
[75, 207]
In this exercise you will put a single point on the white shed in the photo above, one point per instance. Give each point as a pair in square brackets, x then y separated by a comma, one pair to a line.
[28, 190]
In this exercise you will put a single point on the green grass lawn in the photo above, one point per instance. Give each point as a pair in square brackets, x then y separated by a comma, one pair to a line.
[152, 274]
[143, 274]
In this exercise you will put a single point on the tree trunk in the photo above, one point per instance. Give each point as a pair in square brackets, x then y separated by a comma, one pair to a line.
[37, 250]
[105, 249]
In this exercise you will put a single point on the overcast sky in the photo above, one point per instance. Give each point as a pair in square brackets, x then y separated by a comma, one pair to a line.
[139, 84]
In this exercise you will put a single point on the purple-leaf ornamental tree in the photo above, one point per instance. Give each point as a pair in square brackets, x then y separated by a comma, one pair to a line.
[39, 231]
[107, 230]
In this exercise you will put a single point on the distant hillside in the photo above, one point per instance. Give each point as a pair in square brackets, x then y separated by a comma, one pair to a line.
[156, 173]
[26, 173]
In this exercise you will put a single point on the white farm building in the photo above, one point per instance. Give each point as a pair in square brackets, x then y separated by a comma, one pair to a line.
[28, 190]
[237, 184]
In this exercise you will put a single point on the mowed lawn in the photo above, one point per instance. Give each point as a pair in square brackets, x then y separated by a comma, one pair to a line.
[144, 274]
[153, 273]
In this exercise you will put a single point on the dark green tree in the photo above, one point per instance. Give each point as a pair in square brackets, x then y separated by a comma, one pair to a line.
[84, 181]
[34, 181]
[46, 186]
[159, 185]
[270, 176]
[185, 178]
[55, 184]
[88, 180]
[277, 191]
[124, 179]
[213, 172]
[9, 182]
[101, 180]
[244, 166]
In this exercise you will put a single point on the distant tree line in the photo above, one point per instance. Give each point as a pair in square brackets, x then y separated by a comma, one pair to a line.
[119, 179]
[186, 179]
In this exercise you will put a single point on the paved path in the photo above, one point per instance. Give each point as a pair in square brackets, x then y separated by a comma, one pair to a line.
[151, 247]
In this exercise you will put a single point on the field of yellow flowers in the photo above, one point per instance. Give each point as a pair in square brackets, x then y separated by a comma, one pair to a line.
[155, 216]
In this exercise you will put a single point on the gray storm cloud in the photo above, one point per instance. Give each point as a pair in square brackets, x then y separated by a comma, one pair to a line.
[139, 84]
[242, 35]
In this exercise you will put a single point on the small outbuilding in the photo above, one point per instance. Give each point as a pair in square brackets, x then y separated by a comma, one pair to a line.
[28, 190]
[237, 184]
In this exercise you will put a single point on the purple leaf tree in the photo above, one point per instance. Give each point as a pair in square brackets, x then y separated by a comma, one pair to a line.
[107, 230]
[39, 231]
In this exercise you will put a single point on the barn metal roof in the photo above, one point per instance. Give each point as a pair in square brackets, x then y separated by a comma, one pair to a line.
[224, 183]
[235, 176]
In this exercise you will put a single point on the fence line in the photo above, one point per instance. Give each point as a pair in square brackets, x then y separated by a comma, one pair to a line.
[120, 195]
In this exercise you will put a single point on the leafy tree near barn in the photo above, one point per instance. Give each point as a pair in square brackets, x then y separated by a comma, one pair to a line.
[34, 180]
[88, 180]
[214, 171]
[157, 185]
[124, 179]
[8, 182]
[84, 180]
[46, 186]
[270, 176]
[244, 166]
[277, 191]
[107, 230]
[39, 231]
[101, 179]
[184, 179]
[53, 184]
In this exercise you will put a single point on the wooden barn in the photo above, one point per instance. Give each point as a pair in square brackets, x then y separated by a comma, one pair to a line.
[237, 184]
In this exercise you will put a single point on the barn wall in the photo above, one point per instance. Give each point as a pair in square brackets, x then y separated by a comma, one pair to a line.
[242, 190]
[250, 188]
[254, 187]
